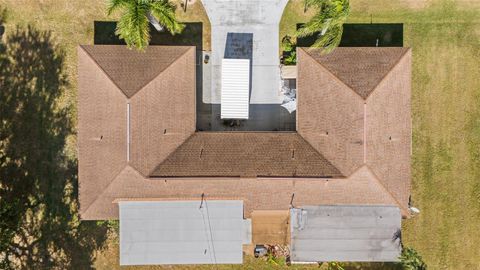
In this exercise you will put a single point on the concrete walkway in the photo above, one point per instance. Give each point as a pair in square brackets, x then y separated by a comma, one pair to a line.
[246, 29]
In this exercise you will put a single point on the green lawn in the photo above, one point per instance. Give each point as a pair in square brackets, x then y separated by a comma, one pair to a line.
[445, 37]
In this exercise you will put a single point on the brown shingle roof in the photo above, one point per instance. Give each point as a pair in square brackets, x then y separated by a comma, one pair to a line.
[102, 111]
[388, 130]
[352, 131]
[329, 115]
[369, 142]
[131, 70]
[163, 114]
[102, 118]
[246, 154]
[359, 68]
[257, 193]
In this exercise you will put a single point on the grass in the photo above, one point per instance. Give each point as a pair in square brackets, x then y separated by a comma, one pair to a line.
[446, 136]
[294, 13]
[196, 13]
[445, 39]
[71, 24]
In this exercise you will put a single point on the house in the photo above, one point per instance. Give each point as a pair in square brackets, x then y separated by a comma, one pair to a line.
[335, 189]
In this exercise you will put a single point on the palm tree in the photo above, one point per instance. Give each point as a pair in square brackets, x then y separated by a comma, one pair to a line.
[327, 23]
[133, 25]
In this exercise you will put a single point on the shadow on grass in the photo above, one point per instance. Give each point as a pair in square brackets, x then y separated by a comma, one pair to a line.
[39, 225]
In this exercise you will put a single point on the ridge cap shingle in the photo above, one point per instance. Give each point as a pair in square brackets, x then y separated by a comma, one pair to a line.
[387, 191]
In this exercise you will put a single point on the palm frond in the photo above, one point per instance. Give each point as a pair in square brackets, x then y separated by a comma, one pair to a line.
[330, 40]
[327, 23]
[164, 11]
[312, 27]
[114, 5]
[133, 26]
[315, 3]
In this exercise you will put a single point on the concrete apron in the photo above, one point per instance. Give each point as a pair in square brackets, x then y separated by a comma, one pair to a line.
[246, 29]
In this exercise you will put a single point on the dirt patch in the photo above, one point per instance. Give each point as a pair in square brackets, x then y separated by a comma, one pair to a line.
[270, 227]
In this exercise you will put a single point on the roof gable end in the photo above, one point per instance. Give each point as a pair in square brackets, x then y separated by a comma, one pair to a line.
[131, 70]
[362, 68]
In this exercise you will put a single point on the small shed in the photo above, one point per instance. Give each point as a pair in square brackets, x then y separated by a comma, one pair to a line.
[235, 97]
[181, 232]
[360, 233]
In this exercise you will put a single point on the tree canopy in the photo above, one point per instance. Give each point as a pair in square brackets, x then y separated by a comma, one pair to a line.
[327, 23]
[39, 223]
[136, 16]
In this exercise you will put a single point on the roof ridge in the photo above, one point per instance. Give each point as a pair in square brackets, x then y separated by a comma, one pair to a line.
[104, 72]
[388, 72]
[163, 70]
[375, 176]
[149, 175]
[105, 188]
[326, 159]
[332, 74]
[115, 179]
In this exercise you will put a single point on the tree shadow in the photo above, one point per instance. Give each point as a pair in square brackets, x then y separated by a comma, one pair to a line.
[39, 222]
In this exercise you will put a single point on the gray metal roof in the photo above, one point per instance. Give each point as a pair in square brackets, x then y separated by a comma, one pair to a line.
[345, 233]
[180, 232]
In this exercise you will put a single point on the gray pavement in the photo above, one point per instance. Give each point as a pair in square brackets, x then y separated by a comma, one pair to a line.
[246, 29]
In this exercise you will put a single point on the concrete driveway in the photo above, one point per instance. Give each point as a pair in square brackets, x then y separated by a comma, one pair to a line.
[246, 29]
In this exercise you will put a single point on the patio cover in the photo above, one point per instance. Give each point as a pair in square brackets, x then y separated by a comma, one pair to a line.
[181, 232]
[235, 88]
[362, 233]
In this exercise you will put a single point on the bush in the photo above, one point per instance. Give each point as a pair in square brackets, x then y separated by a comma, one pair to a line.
[411, 260]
